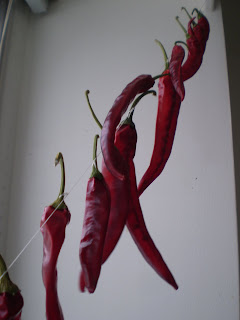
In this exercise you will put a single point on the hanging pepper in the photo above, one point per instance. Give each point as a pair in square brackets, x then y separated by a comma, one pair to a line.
[175, 69]
[135, 221]
[53, 224]
[11, 300]
[195, 53]
[201, 29]
[110, 153]
[119, 194]
[169, 103]
[94, 229]
[125, 141]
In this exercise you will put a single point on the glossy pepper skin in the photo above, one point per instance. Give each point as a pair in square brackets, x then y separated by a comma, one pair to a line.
[169, 103]
[175, 70]
[11, 300]
[53, 224]
[97, 209]
[110, 153]
[135, 221]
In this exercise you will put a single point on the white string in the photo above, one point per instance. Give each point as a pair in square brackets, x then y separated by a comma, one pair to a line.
[65, 195]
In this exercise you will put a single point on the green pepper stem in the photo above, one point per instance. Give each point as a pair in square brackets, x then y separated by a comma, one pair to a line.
[182, 42]
[95, 172]
[199, 13]
[164, 54]
[188, 14]
[6, 285]
[59, 203]
[128, 120]
[136, 101]
[91, 109]
[183, 28]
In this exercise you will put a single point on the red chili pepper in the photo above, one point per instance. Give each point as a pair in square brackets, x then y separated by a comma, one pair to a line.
[11, 300]
[169, 103]
[110, 153]
[203, 25]
[125, 141]
[94, 230]
[175, 69]
[119, 193]
[53, 224]
[201, 29]
[195, 53]
[135, 221]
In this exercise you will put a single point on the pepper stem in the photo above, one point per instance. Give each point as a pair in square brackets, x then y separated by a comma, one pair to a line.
[59, 203]
[164, 54]
[188, 14]
[95, 172]
[91, 109]
[136, 101]
[183, 28]
[6, 285]
[182, 42]
[199, 13]
[128, 120]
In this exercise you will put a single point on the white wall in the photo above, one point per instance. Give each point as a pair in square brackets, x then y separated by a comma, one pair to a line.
[190, 210]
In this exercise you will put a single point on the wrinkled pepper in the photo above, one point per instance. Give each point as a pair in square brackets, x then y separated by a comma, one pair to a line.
[125, 141]
[53, 224]
[97, 209]
[135, 221]
[11, 300]
[195, 53]
[169, 103]
[115, 164]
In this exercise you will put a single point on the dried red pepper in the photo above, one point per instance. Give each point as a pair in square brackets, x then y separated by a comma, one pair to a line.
[119, 194]
[110, 153]
[169, 103]
[11, 300]
[97, 209]
[53, 224]
[201, 29]
[135, 221]
[195, 53]
[175, 69]
[125, 141]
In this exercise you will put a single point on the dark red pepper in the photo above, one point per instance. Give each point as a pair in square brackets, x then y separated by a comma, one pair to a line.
[135, 221]
[53, 224]
[110, 153]
[97, 209]
[195, 53]
[169, 103]
[175, 69]
[203, 26]
[125, 141]
[119, 194]
[201, 29]
[11, 300]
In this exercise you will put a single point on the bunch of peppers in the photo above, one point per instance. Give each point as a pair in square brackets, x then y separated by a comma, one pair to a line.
[115, 203]
[112, 197]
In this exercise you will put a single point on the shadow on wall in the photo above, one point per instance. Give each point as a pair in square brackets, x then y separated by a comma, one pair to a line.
[230, 12]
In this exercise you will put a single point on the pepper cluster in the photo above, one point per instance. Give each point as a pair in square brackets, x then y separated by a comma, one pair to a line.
[114, 203]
